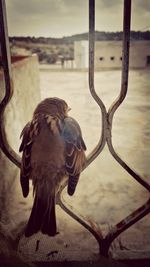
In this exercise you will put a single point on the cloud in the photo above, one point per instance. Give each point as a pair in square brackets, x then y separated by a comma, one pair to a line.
[140, 15]
[66, 17]
[45, 7]
[47, 17]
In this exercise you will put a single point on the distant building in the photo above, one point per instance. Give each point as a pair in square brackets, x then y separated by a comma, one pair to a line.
[108, 54]
[81, 54]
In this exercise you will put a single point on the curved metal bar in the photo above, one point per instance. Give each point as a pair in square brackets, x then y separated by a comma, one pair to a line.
[61, 202]
[124, 88]
[8, 151]
[145, 209]
[96, 151]
[124, 225]
[125, 60]
[105, 242]
[135, 175]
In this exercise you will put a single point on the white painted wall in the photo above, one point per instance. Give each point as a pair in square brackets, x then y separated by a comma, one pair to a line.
[81, 54]
[108, 54]
[18, 113]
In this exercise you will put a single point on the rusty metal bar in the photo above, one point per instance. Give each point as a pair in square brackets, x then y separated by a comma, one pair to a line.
[107, 119]
[127, 222]
[61, 202]
[125, 60]
[123, 92]
[122, 226]
[133, 173]
[96, 151]
[6, 64]
[145, 209]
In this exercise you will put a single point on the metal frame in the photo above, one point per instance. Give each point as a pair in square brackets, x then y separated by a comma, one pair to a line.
[6, 64]
[107, 120]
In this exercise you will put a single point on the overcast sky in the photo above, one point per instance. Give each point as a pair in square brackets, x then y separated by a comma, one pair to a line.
[57, 18]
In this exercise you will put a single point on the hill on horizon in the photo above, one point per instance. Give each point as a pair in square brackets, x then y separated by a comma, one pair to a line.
[99, 36]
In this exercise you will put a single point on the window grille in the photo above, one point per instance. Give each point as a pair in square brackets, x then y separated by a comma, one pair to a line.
[107, 120]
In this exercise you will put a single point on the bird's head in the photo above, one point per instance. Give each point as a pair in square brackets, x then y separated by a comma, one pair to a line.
[53, 106]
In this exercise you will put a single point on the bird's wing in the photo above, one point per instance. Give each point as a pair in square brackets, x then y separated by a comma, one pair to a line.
[75, 155]
[28, 133]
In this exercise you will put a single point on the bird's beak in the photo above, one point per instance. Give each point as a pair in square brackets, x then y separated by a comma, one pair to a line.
[69, 109]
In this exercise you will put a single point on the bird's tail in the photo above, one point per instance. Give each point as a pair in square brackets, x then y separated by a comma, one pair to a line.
[42, 217]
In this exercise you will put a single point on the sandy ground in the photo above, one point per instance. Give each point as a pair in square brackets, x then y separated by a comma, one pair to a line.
[105, 193]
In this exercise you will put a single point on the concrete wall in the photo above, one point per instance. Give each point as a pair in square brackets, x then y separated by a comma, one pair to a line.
[139, 52]
[81, 54]
[108, 54]
[18, 113]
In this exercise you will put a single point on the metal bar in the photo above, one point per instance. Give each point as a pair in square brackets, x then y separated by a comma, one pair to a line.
[107, 118]
[134, 174]
[125, 60]
[96, 151]
[145, 209]
[123, 92]
[79, 219]
[124, 225]
[6, 63]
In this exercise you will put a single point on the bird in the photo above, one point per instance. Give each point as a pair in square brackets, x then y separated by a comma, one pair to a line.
[52, 148]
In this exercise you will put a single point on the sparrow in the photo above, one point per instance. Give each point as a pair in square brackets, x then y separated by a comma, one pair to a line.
[52, 148]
